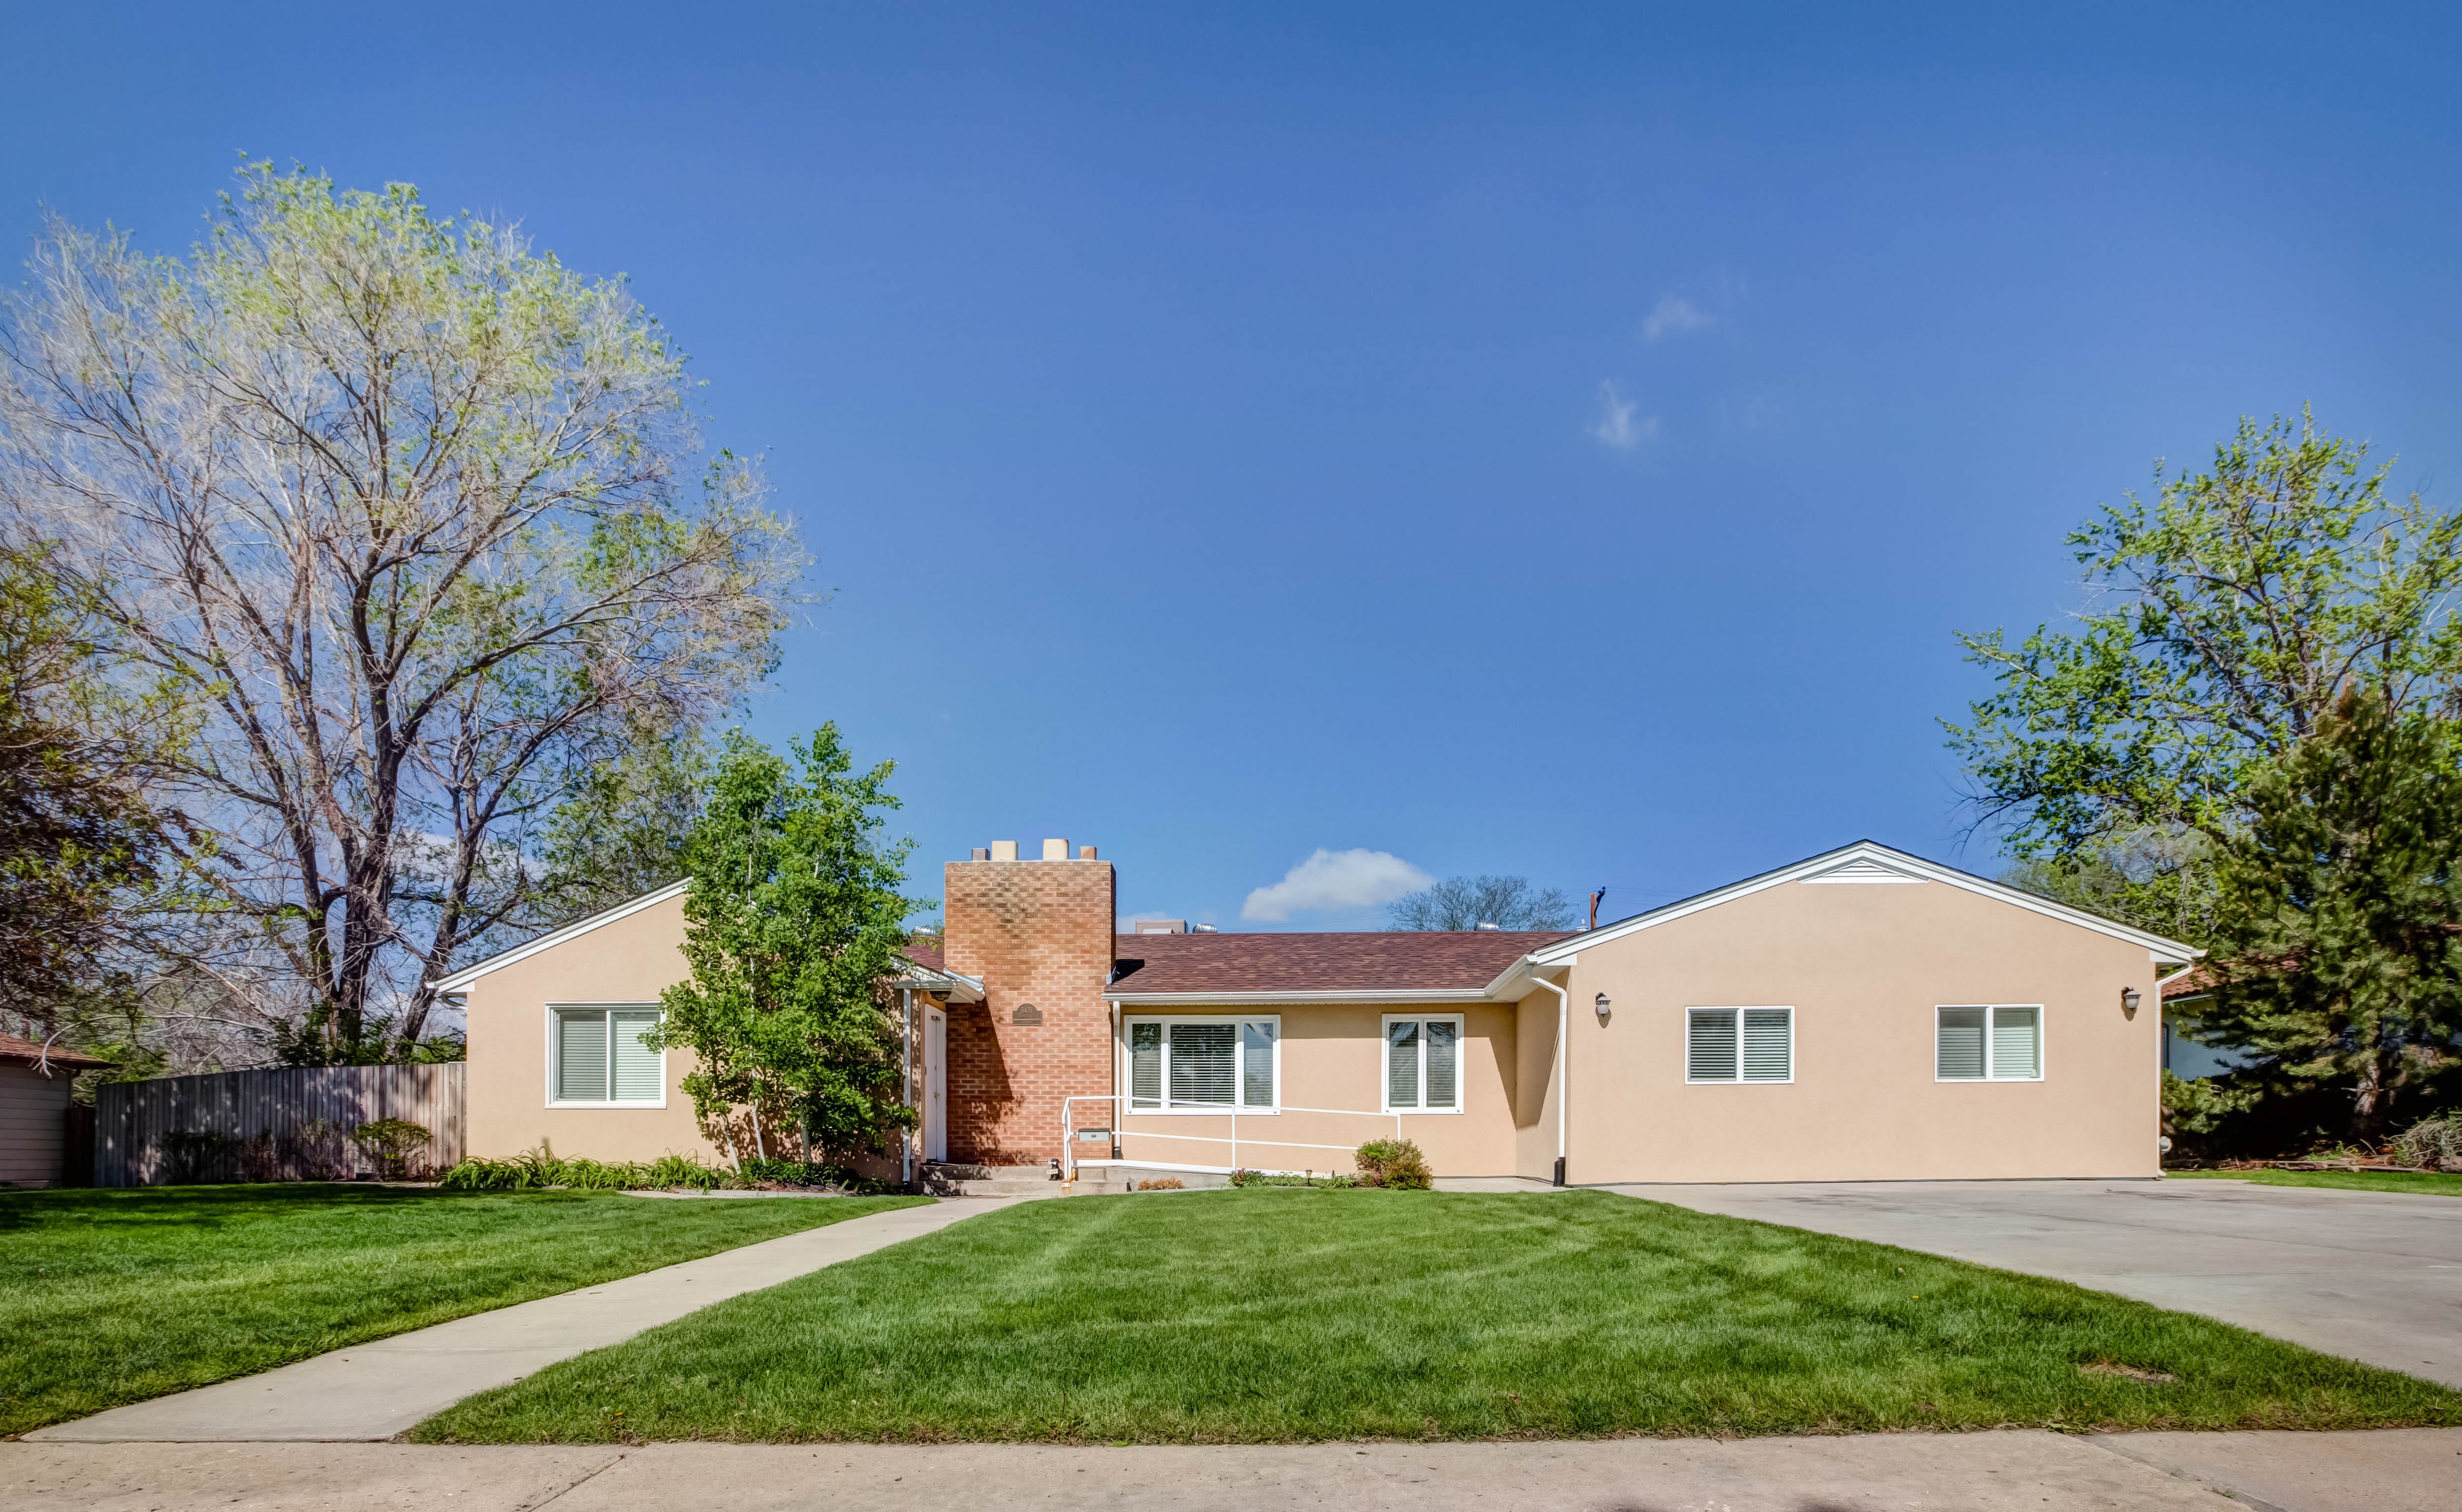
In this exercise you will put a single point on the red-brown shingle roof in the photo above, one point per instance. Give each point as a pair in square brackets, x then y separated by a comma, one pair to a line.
[30, 1051]
[1358, 961]
[929, 957]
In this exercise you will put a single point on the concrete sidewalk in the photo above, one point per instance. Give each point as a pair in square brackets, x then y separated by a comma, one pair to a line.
[377, 1390]
[2413, 1470]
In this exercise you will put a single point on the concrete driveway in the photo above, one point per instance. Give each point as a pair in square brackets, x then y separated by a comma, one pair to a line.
[2373, 1276]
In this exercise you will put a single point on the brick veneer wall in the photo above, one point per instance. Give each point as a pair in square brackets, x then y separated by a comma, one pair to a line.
[1039, 933]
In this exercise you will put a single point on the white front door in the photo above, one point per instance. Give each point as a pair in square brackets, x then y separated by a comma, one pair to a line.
[935, 1085]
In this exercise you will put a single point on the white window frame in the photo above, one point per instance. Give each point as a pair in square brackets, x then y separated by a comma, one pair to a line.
[1991, 1012]
[1239, 1064]
[1385, 1063]
[1739, 1011]
[556, 1010]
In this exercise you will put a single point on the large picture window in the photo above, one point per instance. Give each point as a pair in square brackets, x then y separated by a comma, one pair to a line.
[1204, 1064]
[1423, 1064]
[1739, 1045]
[1995, 1043]
[598, 1057]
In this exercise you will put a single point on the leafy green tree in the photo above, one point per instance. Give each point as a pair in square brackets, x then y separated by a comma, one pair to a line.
[2223, 621]
[794, 925]
[421, 525]
[2338, 955]
[1466, 902]
[624, 827]
[86, 847]
[2160, 880]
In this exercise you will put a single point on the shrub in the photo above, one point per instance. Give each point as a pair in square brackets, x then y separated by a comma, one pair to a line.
[542, 1167]
[390, 1143]
[195, 1156]
[1163, 1183]
[1397, 1163]
[1330, 1178]
[2431, 1144]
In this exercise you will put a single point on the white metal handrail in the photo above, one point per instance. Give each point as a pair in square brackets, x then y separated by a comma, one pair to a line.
[1069, 1130]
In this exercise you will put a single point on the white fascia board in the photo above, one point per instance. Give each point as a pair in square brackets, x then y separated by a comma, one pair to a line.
[1527, 969]
[2157, 948]
[462, 978]
[1178, 1000]
[955, 987]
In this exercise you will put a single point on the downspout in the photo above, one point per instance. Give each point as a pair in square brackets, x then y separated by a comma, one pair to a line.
[906, 1087]
[1564, 1066]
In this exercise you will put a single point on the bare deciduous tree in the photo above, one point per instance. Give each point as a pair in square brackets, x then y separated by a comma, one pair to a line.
[1466, 902]
[416, 518]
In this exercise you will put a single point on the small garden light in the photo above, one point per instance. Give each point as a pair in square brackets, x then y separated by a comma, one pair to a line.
[2129, 998]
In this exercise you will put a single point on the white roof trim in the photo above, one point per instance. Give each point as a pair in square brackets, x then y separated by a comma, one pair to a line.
[958, 987]
[554, 938]
[1173, 1000]
[1859, 862]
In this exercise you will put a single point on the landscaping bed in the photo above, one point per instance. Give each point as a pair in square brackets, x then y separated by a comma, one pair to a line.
[114, 1296]
[1281, 1314]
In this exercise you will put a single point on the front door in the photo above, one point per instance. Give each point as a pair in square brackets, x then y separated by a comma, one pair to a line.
[935, 1085]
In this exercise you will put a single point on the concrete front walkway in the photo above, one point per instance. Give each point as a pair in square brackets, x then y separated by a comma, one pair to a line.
[2404, 1470]
[377, 1390]
[2373, 1276]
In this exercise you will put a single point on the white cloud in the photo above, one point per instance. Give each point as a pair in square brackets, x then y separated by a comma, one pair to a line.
[1673, 312]
[1620, 422]
[1336, 880]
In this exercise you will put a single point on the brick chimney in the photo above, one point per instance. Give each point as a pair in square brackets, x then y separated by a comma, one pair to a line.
[1039, 935]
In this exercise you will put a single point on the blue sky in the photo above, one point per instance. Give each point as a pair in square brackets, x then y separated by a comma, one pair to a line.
[1557, 442]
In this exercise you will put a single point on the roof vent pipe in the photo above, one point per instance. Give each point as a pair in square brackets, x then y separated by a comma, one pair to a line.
[1484, 924]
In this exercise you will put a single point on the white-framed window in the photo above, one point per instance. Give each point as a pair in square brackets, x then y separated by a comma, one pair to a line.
[1187, 1063]
[1739, 1045]
[595, 1057]
[1423, 1063]
[1999, 1042]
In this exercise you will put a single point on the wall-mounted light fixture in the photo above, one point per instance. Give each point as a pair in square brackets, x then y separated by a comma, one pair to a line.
[2129, 998]
[1602, 1004]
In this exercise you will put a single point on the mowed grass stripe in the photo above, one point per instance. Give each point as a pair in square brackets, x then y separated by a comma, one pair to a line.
[1289, 1314]
[109, 1297]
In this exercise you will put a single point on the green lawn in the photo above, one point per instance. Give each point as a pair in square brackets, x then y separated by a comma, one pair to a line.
[112, 1296]
[2441, 1182]
[1282, 1314]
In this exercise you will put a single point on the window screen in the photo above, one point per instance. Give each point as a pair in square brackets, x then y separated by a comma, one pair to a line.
[1999, 1042]
[1145, 1064]
[1423, 1065]
[1739, 1045]
[1202, 1057]
[1257, 1065]
[1402, 1064]
[1219, 1064]
[599, 1057]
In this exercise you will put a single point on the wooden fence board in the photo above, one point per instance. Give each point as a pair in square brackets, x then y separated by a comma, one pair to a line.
[285, 1125]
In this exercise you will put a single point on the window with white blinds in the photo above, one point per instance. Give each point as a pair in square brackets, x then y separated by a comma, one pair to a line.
[1995, 1042]
[1200, 1064]
[1423, 1065]
[1739, 1045]
[598, 1057]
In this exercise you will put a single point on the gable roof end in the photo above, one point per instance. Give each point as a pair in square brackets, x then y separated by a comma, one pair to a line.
[1866, 861]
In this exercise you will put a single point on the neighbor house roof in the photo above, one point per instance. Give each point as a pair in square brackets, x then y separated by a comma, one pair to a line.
[1396, 964]
[33, 1054]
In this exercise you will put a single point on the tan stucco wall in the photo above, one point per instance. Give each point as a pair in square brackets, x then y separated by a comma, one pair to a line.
[631, 959]
[1332, 1058]
[1863, 965]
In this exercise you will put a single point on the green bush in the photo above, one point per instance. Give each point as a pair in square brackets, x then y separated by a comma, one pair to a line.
[1397, 1163]
[542, 1167]
[1285, 1178]
[390, 1143]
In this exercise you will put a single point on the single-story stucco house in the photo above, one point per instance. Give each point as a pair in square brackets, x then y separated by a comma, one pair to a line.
[1863, 1014]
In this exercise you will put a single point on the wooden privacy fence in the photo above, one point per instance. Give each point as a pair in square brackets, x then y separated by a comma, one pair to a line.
[290, 1125]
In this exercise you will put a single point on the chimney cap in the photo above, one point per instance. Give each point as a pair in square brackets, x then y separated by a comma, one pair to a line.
[1055, 850]
[1003, 850]
[983, 853]
[1085, 853]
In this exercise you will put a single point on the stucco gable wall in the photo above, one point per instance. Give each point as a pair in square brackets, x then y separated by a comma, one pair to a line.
[1863, 965]
[630, 959]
